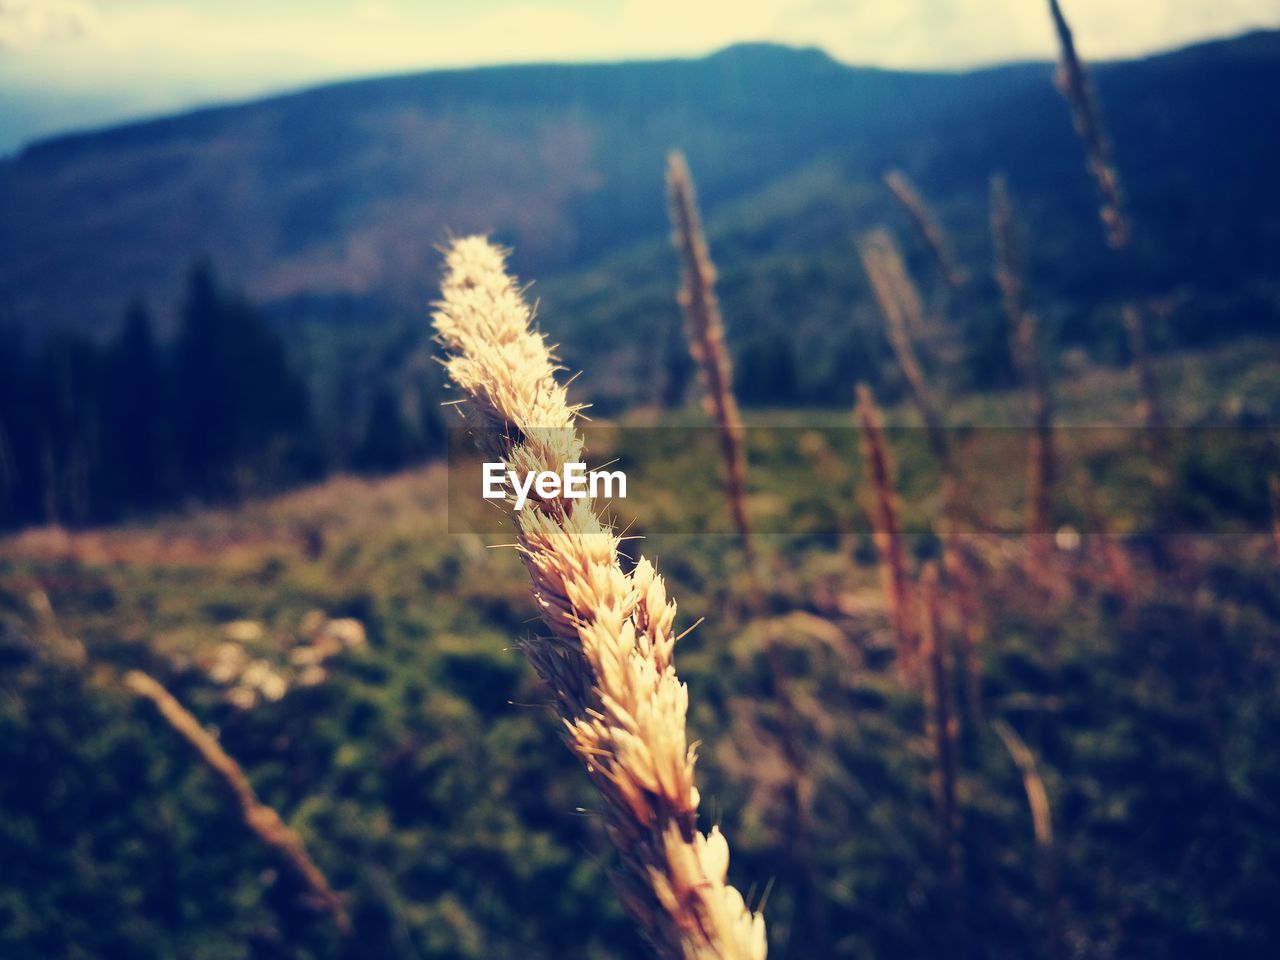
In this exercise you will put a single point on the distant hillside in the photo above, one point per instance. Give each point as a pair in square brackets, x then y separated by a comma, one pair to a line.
[342, 191]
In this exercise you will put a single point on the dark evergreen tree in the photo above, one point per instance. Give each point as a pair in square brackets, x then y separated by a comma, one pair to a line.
[244, 421]
[204, 395]
[387, 443]
[69, 432]
[766, 371]
[136, 428]
[988, 360]
[19, 460]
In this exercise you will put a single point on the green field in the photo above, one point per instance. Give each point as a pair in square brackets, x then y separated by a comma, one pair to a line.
[425, 775]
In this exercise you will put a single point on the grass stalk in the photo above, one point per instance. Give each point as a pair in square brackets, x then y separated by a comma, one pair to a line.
[964, 591]
[1074, 84]
[1010, 275]
[1042, 826]
[900, 305]
[929, 227]
[608, 659]
[705, 326]
[283, 843]
[942, 727]
[887, 533]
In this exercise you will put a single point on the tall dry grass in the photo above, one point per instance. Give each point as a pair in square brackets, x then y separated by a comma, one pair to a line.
[942, 726]
[904, 319]
[609, 657]
[1010, 273]
[964, 594]
[1074, 84]
[929, 227]
[705, 326]
[1042, 827]
[285, 845]
[887, 533]
[1033, 785]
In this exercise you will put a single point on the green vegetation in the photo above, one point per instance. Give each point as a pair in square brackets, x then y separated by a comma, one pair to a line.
[93, 434]
[409, 746]
[428, 783]
[323, 207]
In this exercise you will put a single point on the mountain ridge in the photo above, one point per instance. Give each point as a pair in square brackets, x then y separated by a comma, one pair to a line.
[1269, 39]
[341, 190]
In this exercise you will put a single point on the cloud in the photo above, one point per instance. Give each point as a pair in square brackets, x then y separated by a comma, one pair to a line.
[28, 23]
[374, 11]
[167, 53]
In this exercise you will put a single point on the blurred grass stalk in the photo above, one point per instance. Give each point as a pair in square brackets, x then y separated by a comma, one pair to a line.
[930, 228]
[1042, 826]
[887, 533]
[705, 326]
[901, 307]
[1025, 347]
[1073, 82]
[964, 594]
[262, 820]
[941, 724]
[609, 658]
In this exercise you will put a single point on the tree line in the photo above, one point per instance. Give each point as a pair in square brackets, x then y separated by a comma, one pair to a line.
[98, 432]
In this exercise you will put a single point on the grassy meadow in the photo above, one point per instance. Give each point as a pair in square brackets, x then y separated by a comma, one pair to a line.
[965, 514]
[418, 761]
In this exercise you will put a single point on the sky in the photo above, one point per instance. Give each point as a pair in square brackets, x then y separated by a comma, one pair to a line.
[69, 63]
